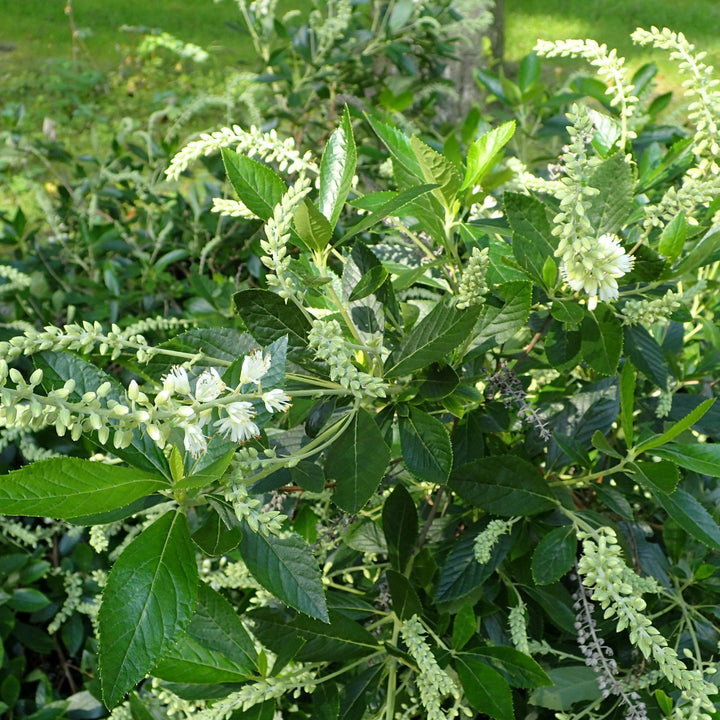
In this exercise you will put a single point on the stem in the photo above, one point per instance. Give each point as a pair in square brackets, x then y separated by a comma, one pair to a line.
[392, 676]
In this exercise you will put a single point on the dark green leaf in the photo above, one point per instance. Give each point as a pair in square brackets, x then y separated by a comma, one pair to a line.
[646, 355]
[485, 689]
[286, 567]
[518, 669]
[405, 600]
[440, 381]
[400, 526]
[426, 446]
[259, 187]
[369, 283]
[357, 461]
[503, 485]
[691, 516]
[627, 401]
[214, 538]
[554, 555]
[148, 600]
[660, 476]
[501, 323]
[533, 242]
[567, 311]
[337, 169]
[465, 626]
[703, 459]
[68, 487]
[601, 342]
[571, 684]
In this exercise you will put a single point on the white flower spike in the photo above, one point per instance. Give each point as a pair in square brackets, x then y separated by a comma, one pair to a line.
[254, 368]
[276, 400]
[238, 425]
[209, 385]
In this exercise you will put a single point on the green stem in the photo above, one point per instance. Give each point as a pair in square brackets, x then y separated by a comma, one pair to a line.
[392, 676]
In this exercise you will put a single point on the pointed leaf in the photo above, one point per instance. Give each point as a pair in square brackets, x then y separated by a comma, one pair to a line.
[601, 342]
[436, 168]
[679, 427]
[703, 459]
[70, 487]
[484, 153]
[148, 600]
[518, 669]
[426, 446]
[691, 516]
[405, 600]
[337, 169]
[554, 555]
[258, 187]
[646, 355]
[485, 689]
[287, 568]
[357, 461]
[400, 526]
[312, 226]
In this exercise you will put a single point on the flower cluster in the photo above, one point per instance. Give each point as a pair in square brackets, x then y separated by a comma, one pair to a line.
[648, 312]
[232, 208]
[190, 51]
[266, 146]
[590, 264]
[331, 28]
[488, 538]
[327, 340]
[615, 587]
[16, 280]
[473, 283]
[517, 624]
[263, 520]
[432, 681]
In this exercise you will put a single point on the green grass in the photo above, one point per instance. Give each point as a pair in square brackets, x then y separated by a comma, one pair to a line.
[611, 22]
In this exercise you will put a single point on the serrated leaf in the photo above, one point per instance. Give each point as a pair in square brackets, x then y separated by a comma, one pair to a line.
[149, 598]
[660, 476]
[439, 332]
[214, 538]
[672, 239]
[398, 144]
[554, 555]
[437, 169]
[70, 487]
[703, 459]
[215, 647]
[518, 669]
[268, 317]
[357, 461]
[679, 427]
[501, 323]
[602, 338]
[567, 311]
[312, 226]
[369, 283]
[426, 446]
[646, 355]
[533, 242]
[286, 567]
[400, 526]
[691, 516]
[485, 689]
[609, 209]
[257, 185]
[484, 153]
[337, 169]
[405, 600]
[503, 485]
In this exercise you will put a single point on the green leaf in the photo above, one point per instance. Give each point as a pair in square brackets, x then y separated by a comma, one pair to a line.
[439, 332]
[660, 476]
[258, 186]
[437, 169]
[703, 459]
[357, 461]
[312, 226]
[286, 567]
[214, 538]
[691, 516]
[391, 207]
[503, 485]
[501, 323]
[57, 368]
[485, 689]
[533, 242]
[484, 153]
[567, 311]
[518, 669]
[600, 442]
[398, 144]
[672, 239]
[609, 209]
[465, 626]
[400, 526]
[70, 487]
[337, 169]
[701, 253]
[679, 427]
[215, 647]
[646, 355]
[369, 282]
[627, 400]
[405, 600]
[528, 72]
[601, 342]
[148, 600]
[268, 317]
[440, 381]
[426, 446]
[571, 684]
[554, 555]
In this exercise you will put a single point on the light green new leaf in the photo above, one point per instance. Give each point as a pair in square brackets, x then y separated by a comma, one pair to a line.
[679, 427]
[615, 181]
[501, 323]
[357, 461]
[286, 567]
[257, 186]
[70, 487]
[312, 226]
[148, 600]
[426, 446]
[337, 169]
[485, 152]
[436, 168]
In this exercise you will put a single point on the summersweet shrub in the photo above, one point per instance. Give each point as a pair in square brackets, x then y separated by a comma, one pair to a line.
[453, 457]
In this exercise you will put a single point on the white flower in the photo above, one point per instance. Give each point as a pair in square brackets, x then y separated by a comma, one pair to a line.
[254, 367]
[596, 269]
[238, 424]
[194, 440]
[276, 400]
[209, 385]
[177, 381]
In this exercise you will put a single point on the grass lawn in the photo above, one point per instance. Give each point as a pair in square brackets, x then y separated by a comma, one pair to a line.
[611, 22]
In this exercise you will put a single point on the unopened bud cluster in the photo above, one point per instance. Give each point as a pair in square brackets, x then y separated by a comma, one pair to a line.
[517, 625]
[16, 280]
[327, 340]
[648, 312]
[473, 283]
[488, 538]
[615, 587]
[260, 520]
